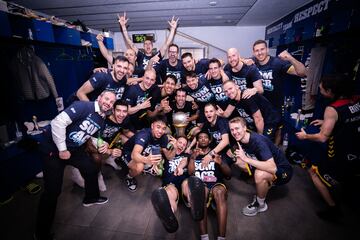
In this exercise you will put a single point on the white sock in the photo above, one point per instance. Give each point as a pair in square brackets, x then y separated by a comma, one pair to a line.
[221, 238]
[261, 201]
[204, 237]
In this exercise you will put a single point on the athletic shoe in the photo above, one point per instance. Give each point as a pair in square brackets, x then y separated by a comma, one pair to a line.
[131, 184]
[161, 204]
[93, 201]
[197, 197]
[254, 208]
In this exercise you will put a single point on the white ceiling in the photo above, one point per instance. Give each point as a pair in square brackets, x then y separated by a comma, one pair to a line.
[154, 14]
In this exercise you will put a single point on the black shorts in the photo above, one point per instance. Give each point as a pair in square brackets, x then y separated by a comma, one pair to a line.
[283, 175]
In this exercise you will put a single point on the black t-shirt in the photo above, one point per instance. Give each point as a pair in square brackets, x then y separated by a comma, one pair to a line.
[101, 81]
[143, 60]
[164, 68]
[187, 109]
[273, 74]
[110, 129]
[245, 77]
[220, 98]
[171, 165]
[210, 174]
[145, 139]
[247, 107]
[202, 94]
[221, 127]
[201, 67]
[261, 148]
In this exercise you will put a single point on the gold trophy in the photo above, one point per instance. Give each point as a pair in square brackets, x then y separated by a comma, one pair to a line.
[180, 122]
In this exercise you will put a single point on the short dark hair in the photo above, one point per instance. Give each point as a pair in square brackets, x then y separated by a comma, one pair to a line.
[260, 41]
[171, 76]
[215, 60]
[120, 102]
[121, 59]
[238, 120]
[341, 85]
[190, 74]
[187, 54]
[159, 118]
[180, 90]
[174, 45]
[203, 132]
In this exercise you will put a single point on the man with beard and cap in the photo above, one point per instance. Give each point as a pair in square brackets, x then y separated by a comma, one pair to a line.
[143, 58]
[248, 78]
[63, 144]
[113, 80]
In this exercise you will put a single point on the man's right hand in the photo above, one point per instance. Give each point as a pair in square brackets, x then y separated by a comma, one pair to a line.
[64, 155]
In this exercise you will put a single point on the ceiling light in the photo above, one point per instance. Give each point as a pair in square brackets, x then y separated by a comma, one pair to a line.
[212, 3]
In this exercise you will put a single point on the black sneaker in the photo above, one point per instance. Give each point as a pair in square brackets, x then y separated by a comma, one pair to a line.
[93, 201]
[161, 204]
[131, 184]
[331, 214]
[197, 198]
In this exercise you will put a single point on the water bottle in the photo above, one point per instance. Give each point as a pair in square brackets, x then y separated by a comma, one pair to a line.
[298, 118]
[30, 34]
[18, 133]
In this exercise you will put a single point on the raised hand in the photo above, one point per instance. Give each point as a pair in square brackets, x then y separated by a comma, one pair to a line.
[173, 22]
[122, 19]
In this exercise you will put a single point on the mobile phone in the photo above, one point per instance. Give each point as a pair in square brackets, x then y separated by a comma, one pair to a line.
[155, 150]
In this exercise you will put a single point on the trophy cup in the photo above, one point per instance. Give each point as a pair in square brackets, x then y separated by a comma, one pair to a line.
[180, 122]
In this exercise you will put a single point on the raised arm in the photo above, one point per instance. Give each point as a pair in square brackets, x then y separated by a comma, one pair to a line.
[103, 49]
[85, 89]
[297, 68]
[173, 25]
[123, 21]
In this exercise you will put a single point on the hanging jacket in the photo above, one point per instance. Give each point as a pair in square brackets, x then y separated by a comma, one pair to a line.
[32, 75]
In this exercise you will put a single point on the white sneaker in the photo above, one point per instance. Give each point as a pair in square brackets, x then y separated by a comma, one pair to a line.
[102, 186]
[40, 175]
[76, 177]
[111, 161]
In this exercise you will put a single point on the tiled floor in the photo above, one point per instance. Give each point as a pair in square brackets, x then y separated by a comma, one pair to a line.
[291, 213]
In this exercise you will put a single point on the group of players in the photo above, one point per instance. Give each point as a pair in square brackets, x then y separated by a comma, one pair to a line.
[125, 118]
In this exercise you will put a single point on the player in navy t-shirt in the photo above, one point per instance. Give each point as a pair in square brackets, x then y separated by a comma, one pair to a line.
[246, 77]
[63, 145]
[165, 199]
[113, 80]
[270, 164]
[212, 175]
[145, 150]
[189, 65]
[143, 58]
[256, 110]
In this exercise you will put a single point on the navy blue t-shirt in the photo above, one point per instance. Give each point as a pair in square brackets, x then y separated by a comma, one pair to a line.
[187, 109]
[104, 81]
[145, 139]
[201, 67]
[85, 123]
[221, 127]
[245, 77]
[202, 94]
[110, 129]
[210, 174]
[220, 98]
[135, 96]
[169, 168]
[262, 149]
[143, 60]
[164, 68]
[247, 107]
[273, 74]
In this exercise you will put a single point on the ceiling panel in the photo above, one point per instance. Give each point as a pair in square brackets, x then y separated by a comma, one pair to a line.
[154, 14]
